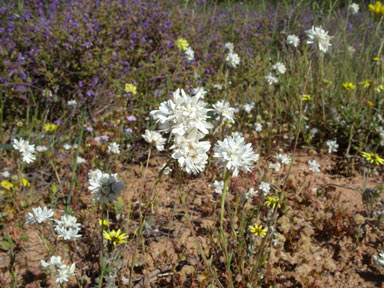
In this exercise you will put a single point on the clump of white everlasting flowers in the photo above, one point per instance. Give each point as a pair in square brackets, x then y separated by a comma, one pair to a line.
[105, 187]
[313, 166]
[185, 118]
[319, 37]
[154, 138]
[189, 54]
[249, 106]
[332, 146]
[354, 7]
[114, 148]
[225, 110]
[271, 79]
[61, 271]
[379, 259]
[232, 58]
[279, 68]
[25, 149]
[67, 227]
[218, 186]
[39, 215]
[293, 40]
[233, 154]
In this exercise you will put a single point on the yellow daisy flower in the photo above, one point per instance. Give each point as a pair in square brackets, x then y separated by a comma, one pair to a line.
[49, 127]
[307, 97]
[130, 88]
[258, 230]
[349, 86]
[115, 237]
[366, 83]
[103, 223]
[182, 44]
[373, 158]
[6, 184]
[272, 202]
[25, 182]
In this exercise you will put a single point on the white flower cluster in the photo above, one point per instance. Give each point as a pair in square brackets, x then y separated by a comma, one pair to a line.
[232, 58]
[218, 186]
[39, 215]
[332, 146]
[67, 227]
[189, 54]
[282, 159]
[105, 187]
[233, 154]
[154, 138]
[185, 118]
[61, 271]
[318, 36]
[225, 110]
[280, 70]
[354, 7]
[249, 106]
[25, 149]
[114, 148]
[293, 40]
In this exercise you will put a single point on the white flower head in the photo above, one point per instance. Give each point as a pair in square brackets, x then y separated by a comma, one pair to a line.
[67, 227]
[105, 187]
[41, 148]
[61, 271]
[265, 187]
[39, 215]
[250, 193]
[154, 138]
[354, 7]
[218, 186]
[218, 86]
[190, 153]
[225, 110]
[25, 149]
[283, 158]
[114, 148]
[313, 166]
[67, 146]
[54, 262]
[72, 103]
[332, 146]
[248, 107]
[379, 259]
[200, 92]
[279, 67]
[182, 115]
[319, 37]
[80, 160]
[229, 47]
[258, 127]
[233, 154]
[275, 166]
[232, 59]
[271, 79]
[189, 54]
[5, 174]
[293, 40]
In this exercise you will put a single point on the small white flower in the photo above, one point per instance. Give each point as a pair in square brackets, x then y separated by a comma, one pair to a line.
[313, 131]
[354, 7]
[258, 127]
[41, 148]
[54, 262]
[271, 79]
[225, 110]
[332, 146]
[279, 67]
[81, 160]
[105, 187]
[218, 86]
[114, 148]
[200, 92]
[67, 146]
[265, 187]
[318, 36]
[154, 138]
[229, 46]
[64, 273]
[250, 193]
[67, 227]
[5, 174]
[189, 54]
[72, 103]
[275, 166]
[248, 107]
[25, 149]
[219, 187]
[232, 59]
[283, 158]
[379, 260]
[313, 166]
[233, 154]
[293, 40]
[39, 215]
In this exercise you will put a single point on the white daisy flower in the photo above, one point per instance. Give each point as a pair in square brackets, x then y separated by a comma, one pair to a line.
[232, 59]
[279, 67]
[354, 7]
[154, 138]
[80, 160]
[283, 158]
[218, 186]
[67, 227]
[113, 148]
[258, 127]
[319, 37]
[229, 46]
[25, 149]
[275, 166]
[225, 110]
[271, 79]
[72, 103]
[104, 187]
[233, 154]
[293, 40]
[67, 146]
[248, 107]
[39, 215]
[189, 54]
[41, 148]
[313, 166]
[332, 146]
[265, 187]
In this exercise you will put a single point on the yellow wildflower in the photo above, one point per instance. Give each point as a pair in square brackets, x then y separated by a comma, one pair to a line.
[272, 201]
[50, 127]
[258, 230]
[373, 158]
[6, 185]
[182, 44]
[104, 222]
[366, 83]
[25, 182]
[380, 88]
[377, 9]
[130, 88]
[376, 59]
[307, 97]
[19, 124]
[115, 237]
[349, 86]
[370, 103]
